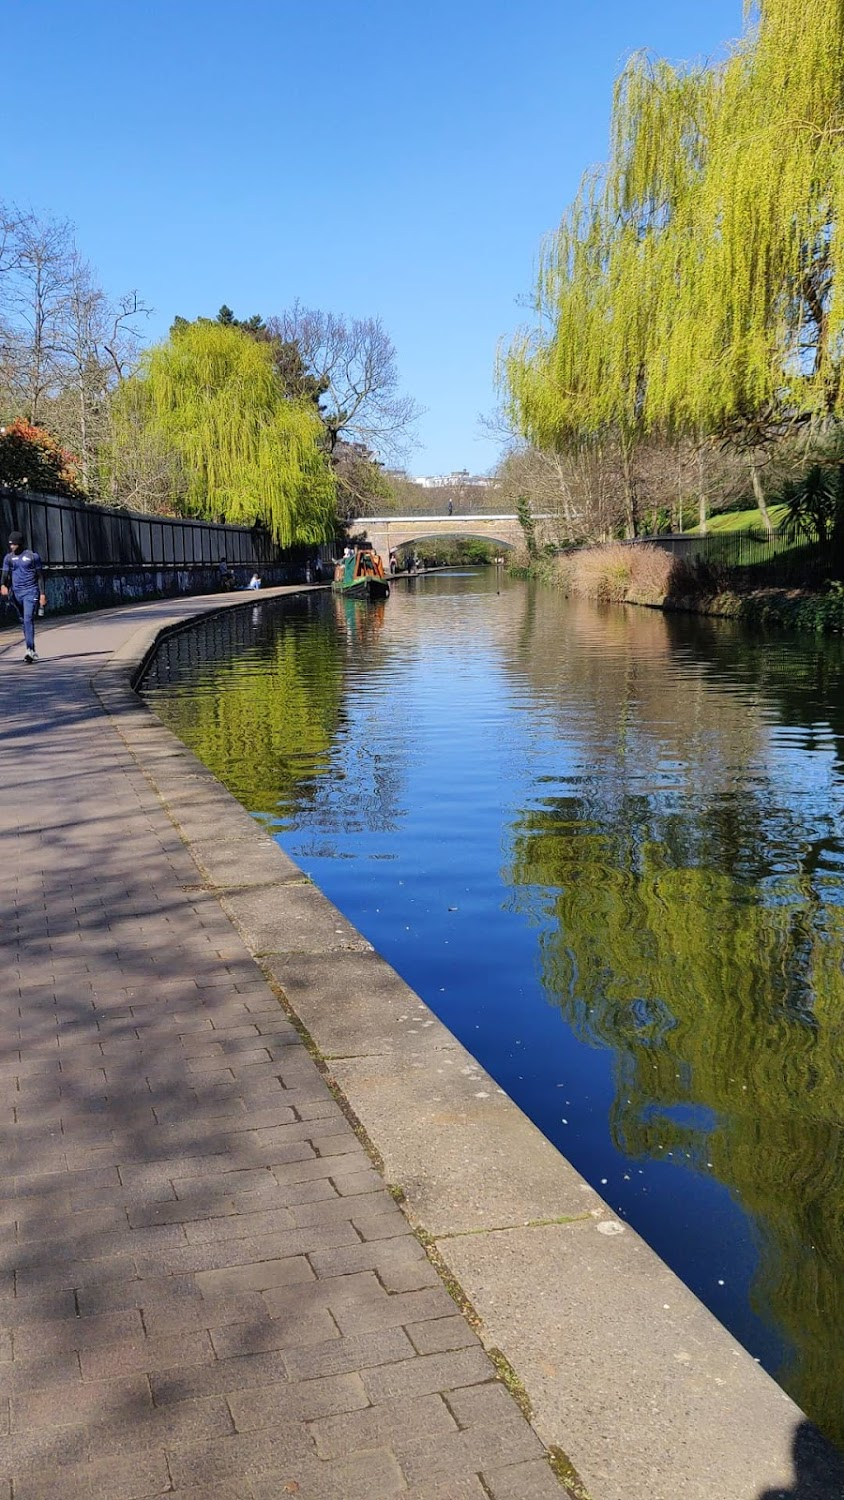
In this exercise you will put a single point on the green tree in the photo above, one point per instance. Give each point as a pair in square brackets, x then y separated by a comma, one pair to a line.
[210, 395]
[528, 525]
[695, 286]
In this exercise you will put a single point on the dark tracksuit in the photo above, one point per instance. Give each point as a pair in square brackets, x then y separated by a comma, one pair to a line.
[22, 573]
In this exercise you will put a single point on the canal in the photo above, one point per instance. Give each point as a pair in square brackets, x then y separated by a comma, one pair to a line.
[606, 846]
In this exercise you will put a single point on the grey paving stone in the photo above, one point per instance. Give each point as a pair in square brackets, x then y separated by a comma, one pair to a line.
[295, 1333]
[449, 1489]
[148, 1354]
[482, 1403]
[39, 1305]
[274, 1455]
[61, 1334]
[360, 1289]
[402, 1264]
[165, 1318]
[216, 1255]
[303, 1401]
[255, 1276]
[271, 1397]
[366, 1476]
[51, 1447]
[165, 1293]
[534, 1480]
[466, 1452]
[343, 1354]
[430, 1372]
[212, 1229]
[76, 1274]
[353, 1183]
[46, 1372]
[115, 1478]
[392, 1311]
[441, 1334]
[396, 1425]
[304, 1171]
[92, 1403]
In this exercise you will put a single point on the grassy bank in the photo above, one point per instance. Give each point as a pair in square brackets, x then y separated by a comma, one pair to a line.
[650, 576]
[739, 520]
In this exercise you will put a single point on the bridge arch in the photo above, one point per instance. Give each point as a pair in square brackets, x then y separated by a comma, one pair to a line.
[387, 533]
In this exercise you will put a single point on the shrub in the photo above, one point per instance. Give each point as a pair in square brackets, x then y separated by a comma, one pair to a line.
[31, 456]
[603, 572]
[614, 573]
[652, 570]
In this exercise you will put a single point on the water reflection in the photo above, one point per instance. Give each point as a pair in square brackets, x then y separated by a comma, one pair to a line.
[605, 845]
[266, 720]
[693, 877]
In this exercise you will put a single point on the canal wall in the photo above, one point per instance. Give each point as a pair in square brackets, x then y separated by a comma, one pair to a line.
[658, 577]
[634, 1385]
[69, 591]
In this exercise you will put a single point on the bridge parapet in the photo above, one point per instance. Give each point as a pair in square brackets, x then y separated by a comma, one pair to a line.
[387, 533]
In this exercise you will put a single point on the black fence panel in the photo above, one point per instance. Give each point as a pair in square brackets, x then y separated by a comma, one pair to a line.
[760, 558]
[72, 535]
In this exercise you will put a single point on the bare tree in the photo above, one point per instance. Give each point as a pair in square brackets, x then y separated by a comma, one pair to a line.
[355, 360]
[587, 486]
[40, 260]
[64, 344]
[97, 341]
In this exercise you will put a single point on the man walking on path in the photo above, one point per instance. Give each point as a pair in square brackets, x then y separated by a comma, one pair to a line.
[22, 581]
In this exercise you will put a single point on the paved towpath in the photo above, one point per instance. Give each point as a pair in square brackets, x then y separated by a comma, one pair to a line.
[206, 1291]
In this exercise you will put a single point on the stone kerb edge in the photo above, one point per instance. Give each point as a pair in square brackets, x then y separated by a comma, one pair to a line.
[704, 1422]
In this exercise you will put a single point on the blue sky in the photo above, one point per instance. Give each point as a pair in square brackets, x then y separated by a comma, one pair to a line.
[375, 159]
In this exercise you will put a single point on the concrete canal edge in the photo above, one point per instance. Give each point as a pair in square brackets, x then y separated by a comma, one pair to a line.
[633, 1385]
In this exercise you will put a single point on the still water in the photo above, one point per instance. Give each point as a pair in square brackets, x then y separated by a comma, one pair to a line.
[606, 847]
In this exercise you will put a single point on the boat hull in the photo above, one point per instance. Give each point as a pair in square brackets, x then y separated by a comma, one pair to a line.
[363, 588]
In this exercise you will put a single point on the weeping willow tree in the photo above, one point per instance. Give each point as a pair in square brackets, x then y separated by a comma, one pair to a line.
[209, 399]
[694, 287]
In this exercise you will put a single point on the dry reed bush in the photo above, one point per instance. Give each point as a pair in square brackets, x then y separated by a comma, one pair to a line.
[603, 573]
[564, 568]
[615, 573]
[652, 575]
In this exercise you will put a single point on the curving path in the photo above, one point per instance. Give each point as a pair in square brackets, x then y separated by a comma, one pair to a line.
[206, 1292]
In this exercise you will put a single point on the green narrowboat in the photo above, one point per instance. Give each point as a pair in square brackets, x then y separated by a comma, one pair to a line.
[361, 576]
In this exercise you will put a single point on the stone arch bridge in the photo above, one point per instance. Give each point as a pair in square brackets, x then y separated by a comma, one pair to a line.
[386, 533]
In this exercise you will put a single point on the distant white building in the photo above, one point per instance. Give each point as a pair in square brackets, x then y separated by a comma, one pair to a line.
[459, 477]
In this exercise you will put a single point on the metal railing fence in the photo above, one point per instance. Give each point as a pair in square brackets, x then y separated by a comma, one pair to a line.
[72, 535]
[760, 557]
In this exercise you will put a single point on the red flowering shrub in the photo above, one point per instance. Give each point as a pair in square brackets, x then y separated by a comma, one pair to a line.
[31, 456]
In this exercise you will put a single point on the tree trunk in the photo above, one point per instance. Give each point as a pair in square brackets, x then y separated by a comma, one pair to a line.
[677, 506]
[84, 462]
[702, 506]
[760, 497]
[631, 499]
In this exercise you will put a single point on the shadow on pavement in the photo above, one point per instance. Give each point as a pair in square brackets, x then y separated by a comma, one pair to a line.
[818, 1469]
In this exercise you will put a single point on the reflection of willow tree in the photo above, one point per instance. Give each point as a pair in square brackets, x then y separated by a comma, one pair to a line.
[713, 999]
[263, 726]
[262, 696]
